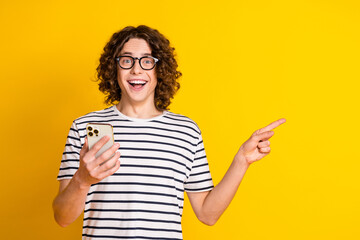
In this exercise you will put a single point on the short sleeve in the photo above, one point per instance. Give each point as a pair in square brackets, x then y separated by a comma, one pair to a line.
[200, 179]
[71, 155]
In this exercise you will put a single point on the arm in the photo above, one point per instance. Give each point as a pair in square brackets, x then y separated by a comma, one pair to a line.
[209, 206]
[70, 201]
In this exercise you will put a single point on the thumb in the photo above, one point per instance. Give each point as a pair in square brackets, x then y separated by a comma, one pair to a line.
[85, 148]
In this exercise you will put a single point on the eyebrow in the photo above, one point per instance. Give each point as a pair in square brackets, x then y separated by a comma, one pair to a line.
[130, 53]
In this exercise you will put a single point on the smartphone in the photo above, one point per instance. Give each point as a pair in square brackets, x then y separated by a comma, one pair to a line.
[95, 131]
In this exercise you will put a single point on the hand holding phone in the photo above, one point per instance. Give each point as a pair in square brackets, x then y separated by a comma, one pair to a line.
[99, 157]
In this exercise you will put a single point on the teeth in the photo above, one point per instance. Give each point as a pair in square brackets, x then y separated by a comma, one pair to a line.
[137, 82]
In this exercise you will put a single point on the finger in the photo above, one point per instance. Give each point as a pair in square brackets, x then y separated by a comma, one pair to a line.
[108, 164]
[263, 144]
[106, 155]
[110, 171]
[265, 150]
[263, 136]
[272, 125]
[97, 146]
[84, 149]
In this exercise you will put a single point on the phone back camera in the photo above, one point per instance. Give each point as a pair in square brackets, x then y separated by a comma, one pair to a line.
[91, 134]
[89, 128]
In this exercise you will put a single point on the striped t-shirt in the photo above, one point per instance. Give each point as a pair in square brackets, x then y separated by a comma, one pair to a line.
[160, 158]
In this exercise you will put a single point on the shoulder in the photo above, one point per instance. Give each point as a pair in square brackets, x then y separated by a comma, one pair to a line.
[183, 120]
[96, 116]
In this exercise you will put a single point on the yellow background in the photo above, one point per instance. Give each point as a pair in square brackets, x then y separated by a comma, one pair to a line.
[244, 64]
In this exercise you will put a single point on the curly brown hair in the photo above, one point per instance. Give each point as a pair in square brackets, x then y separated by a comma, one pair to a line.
[166, 68]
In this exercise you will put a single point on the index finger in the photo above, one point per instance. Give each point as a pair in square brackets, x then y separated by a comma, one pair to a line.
[273, 125]
[99, 144]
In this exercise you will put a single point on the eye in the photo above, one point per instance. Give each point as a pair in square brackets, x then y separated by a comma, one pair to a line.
[126, 60]
[148, 61]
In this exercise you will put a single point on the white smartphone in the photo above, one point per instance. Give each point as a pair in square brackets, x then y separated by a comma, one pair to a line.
[95, 131]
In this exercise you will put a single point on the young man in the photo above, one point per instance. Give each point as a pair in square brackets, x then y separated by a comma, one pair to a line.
[161, 153]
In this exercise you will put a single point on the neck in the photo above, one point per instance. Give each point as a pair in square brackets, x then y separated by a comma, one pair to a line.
[138, 110]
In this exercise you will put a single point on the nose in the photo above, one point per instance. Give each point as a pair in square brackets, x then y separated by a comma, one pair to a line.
[136, 69]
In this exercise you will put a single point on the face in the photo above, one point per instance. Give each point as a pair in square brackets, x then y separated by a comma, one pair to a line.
[137, 85]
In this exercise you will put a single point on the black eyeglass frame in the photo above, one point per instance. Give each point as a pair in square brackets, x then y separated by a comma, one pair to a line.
[136, 58]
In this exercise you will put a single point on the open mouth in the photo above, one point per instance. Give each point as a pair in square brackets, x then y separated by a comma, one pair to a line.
[137, 84]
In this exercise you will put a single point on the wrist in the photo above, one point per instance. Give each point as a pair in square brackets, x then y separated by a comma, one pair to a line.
[241, 160]
[79, 183]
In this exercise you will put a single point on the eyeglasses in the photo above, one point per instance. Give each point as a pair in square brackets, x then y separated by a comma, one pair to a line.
[146, 63]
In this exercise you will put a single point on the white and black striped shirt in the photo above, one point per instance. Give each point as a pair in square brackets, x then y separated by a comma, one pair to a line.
[160, 158]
